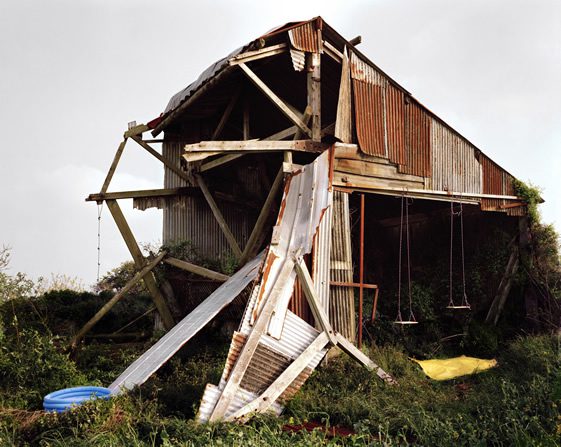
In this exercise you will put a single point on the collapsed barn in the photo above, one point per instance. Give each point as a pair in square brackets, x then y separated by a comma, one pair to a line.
[303, 162]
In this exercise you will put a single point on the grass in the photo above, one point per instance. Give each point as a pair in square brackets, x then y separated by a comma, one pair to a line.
[514, 404]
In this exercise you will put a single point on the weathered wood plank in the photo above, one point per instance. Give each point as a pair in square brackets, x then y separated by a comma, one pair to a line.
[169, 164]
[140, 194]
[256, 146]
[362, 358]
[115, 299]
[258, 54]
[197, 269]
[140, 262]
[136, 130]
[219, 217]
[113, 166]
[374, 169]
[313, 68]
[309, 291]
[344, 121]
[226, 115]
[275, 99]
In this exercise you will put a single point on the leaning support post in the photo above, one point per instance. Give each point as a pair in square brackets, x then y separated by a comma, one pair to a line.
[113, 166]
[140, 261]
[313, 68]
[251, 246]
[115, 299]
[219, 218]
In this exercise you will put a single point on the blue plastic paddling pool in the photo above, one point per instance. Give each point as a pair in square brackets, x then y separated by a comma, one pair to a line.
[63, 400]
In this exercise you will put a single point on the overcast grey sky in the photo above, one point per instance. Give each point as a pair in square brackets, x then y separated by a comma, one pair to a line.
[74, 73]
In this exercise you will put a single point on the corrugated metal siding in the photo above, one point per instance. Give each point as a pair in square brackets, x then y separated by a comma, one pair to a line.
[306, 38]
[497, 181]
[320, 270]
[342, 306]
[417, 141]
[455, 166]
[395, 124]
[369, 117]
[190, 218]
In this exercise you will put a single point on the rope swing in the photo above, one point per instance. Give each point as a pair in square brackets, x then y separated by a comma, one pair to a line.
[399, 319]
[464, 303]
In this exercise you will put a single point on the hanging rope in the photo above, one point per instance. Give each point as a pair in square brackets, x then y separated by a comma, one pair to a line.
[99, 211]
[464, 303]
[399, 319]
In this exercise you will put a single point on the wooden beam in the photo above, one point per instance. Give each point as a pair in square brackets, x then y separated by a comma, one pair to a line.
[219, 217]
[356, 41]
[282, 382]
[363, 359]
[140, 262]
[248, 349]
[226, 115]
[258, 54]
[245, 123]
[310, 292]
[115, 299]
[313, 68]
[332, 52]
[141, 194]
[306, 116]
[113, 166]
[343, 122]
[256, 146]
[251, 247]
[219, 161]
[168, 163]
[136, 130]
[197, 269]
[275, 99]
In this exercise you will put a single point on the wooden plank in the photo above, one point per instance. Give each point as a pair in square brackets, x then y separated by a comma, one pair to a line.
[136, 130]
[282, 382]
[309, 291]
[313, 68]
[256, 146]
[332, 52]
[505, 285]
[251, 343]
[226, 115]
[115, 299]
[374, 169]
[275, 99]
[344, 121]
[197, 269]
[141, 194]
[140, 262]
[164, 160]
[363, 359]
[219, 217]
[306, 116]
[251, 246]
[113, 166]
[248, 56]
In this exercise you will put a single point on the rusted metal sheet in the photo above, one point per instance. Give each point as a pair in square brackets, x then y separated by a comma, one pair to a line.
[395, 124]
[342, 306]
[298, 303]
[298, 59]
[320, 264]
[417, 141]
[455, 166]
[369, 117]
[495, 181]
[305, 201]
[306, 37]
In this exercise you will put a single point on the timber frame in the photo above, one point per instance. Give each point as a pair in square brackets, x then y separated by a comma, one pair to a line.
[288, 99]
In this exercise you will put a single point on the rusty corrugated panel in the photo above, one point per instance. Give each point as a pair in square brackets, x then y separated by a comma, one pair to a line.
[417, 141]
[455, 166]
[369, 117]
[492, 178]
[320, 264]
[342, 305]
[298, 303]
[306, 37]
[395, 124]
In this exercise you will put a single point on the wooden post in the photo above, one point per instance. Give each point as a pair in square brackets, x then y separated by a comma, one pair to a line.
[113, 166]
[225, 115]
[251, 246]
[361, 273]
[219, 217]
[343, 122]
[246, 119]
[140, 261]
[313, 68]
[164, 160]
[115, 299]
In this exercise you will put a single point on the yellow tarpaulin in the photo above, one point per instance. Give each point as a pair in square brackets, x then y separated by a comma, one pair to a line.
[446, 369]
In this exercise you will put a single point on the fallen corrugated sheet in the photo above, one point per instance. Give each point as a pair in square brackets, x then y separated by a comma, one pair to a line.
[274, 335]
[139, 371]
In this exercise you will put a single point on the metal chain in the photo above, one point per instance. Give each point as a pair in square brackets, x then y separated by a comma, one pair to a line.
[464, 298]
[99, 211]
[450, 283]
